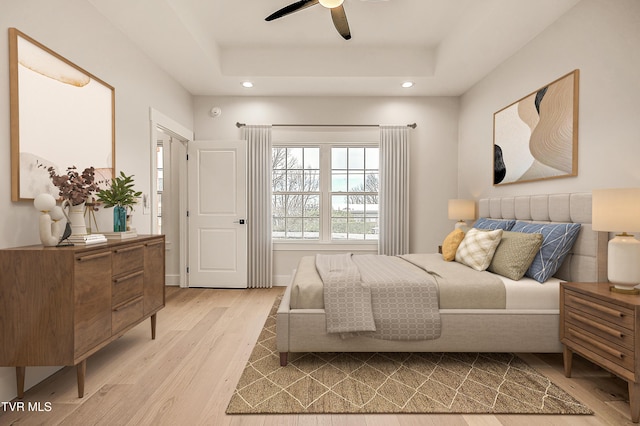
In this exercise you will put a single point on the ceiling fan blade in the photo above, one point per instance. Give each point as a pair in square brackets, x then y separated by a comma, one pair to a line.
[293, 7]
[340, 21]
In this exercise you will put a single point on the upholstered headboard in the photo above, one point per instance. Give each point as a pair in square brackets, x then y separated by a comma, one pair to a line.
[587, 261]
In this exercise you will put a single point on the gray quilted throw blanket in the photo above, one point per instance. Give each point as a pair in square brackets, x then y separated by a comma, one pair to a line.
[383, 297]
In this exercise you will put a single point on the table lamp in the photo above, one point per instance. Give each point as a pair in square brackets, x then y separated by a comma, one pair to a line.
[462, 210]
[618, 210]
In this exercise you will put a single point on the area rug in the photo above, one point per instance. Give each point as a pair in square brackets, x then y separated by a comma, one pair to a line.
[316, 383]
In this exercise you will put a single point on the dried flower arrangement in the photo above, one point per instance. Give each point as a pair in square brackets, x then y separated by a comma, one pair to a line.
[74, 186]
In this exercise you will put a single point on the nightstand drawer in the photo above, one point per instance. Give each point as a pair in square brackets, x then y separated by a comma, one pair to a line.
[592, 343]
[610, 312]
[613, 333]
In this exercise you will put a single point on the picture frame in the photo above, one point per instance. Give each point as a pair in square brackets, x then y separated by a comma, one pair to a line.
[536, 137]
[61, 116]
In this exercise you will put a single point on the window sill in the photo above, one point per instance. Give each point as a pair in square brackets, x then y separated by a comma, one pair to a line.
[317, 246]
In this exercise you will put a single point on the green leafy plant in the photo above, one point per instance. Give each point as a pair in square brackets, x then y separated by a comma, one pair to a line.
[119, 193]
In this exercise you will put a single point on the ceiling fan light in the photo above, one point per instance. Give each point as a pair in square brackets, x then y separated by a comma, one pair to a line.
[330, 4]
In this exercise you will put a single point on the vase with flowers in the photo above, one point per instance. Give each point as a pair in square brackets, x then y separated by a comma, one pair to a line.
[75, 188]
[121, 196]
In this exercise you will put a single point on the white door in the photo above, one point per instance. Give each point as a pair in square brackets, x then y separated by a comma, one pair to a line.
[217, 208]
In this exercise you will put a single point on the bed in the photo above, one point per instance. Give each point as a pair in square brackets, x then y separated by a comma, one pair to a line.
[528, 322]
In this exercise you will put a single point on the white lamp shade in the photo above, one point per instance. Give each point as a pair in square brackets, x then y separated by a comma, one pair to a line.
[462, 209]
[44, 202]
[616, 210]
[331, 3]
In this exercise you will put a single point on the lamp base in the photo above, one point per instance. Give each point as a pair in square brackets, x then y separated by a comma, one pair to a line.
[462, 225]
[623, 269]
[624, 290]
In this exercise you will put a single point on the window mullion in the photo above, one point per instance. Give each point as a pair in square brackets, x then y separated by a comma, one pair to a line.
[325, 196]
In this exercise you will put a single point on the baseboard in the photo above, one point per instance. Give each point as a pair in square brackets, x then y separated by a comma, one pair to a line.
[281, 280]
[173, 280]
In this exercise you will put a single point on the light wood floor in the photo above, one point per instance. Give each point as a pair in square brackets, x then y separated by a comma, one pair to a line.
[188, 374]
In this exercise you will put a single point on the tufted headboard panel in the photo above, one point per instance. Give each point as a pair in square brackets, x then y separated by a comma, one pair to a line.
[587, 261]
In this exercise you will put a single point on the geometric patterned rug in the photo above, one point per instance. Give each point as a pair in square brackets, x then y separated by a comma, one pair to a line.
[495, 383]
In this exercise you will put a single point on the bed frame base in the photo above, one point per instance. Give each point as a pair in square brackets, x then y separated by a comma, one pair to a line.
[304, 330]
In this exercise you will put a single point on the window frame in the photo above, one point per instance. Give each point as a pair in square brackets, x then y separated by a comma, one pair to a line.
[325, 242]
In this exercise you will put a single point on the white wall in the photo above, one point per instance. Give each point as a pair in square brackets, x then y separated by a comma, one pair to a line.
[75, 30]
[599, 37]
[433, 146]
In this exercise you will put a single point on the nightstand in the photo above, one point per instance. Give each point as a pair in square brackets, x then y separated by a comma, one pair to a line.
[603, 327]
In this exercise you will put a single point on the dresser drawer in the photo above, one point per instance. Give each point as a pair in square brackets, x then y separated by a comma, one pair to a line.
[126, 287]
[126, 314]
[592, 343]
[128, 259]
[610, 312]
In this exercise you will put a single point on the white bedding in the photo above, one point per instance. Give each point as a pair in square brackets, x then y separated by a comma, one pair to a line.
[524, 294]
[528, 293]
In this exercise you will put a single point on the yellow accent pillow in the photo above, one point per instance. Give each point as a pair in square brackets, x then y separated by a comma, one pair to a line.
[451, 243]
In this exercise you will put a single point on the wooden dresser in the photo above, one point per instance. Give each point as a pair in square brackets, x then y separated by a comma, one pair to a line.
[59, 305]
[603, 327]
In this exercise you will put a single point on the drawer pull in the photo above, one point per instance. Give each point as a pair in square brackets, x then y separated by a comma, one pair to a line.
[93, 256]
[126, 249]
[126, 305]
[601, 327]
[603, 309]
[155, 243]
[127, 277]
[595, 343]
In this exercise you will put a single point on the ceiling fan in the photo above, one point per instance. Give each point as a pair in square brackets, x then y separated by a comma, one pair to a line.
[337, 13]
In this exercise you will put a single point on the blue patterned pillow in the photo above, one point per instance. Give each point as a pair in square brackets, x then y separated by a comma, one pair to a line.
[493, 224]
[557, 240]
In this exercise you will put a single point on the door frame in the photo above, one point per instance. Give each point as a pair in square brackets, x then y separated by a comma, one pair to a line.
[156, 120]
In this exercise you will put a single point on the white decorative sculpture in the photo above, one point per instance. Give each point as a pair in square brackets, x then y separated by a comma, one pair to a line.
[51, 224]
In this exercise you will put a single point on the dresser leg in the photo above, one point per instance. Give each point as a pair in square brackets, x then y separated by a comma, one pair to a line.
[153, 327]
[567, 358]
[20, 372]
[634, 402]
[81, 370]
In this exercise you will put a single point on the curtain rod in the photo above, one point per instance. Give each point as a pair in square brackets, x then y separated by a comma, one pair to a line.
[238, 125]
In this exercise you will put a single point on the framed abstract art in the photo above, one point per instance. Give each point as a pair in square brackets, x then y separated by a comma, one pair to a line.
[61, 116]
[536, 137]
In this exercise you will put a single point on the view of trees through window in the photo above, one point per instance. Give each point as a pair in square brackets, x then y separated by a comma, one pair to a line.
[351, 193]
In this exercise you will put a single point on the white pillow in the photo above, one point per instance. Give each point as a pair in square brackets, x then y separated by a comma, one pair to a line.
[478, 247]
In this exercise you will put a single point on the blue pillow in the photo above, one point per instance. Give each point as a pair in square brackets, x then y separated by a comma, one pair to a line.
[557, 240]
[493, 224]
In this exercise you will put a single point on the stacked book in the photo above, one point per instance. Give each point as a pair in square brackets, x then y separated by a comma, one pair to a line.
[87, 239]
[121, 235]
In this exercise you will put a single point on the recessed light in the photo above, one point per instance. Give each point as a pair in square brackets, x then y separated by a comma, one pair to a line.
[407, 84]
[247, 84]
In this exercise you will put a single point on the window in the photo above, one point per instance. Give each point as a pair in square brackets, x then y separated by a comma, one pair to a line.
[354, 193]
[325, 193]
[296, 193]
[159, 182]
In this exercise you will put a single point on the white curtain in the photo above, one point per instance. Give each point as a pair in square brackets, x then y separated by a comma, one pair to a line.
[394, 190]
[259, 246]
